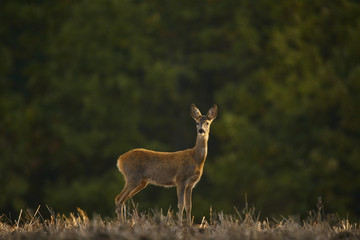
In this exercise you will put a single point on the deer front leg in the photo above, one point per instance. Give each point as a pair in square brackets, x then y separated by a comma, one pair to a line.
[181, 198]
[188, 204]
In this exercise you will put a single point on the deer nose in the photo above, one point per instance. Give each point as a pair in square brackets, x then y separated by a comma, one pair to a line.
[201, 131]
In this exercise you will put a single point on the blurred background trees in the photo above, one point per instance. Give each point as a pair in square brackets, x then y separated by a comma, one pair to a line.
[83, 82]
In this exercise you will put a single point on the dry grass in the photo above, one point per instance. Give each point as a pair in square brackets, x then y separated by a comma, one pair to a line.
[241, 225]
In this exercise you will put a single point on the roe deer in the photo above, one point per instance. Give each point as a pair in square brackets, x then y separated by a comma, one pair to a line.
[182, 169]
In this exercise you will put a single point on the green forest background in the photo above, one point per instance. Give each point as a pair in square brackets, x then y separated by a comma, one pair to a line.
[82, 82]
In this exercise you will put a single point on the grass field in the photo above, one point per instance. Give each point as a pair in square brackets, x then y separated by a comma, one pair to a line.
[241, 225]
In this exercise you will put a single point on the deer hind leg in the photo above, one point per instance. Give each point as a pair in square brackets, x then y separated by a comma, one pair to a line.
[120, 203]
[129, 191]
[137, 189]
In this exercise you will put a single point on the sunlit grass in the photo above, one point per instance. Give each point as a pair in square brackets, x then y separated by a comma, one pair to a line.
[245, 224]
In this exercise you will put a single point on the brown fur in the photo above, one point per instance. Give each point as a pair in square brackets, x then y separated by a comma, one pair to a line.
[182, 169]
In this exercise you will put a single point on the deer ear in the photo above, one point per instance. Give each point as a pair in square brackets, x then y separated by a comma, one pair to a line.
[195, 112]
[212, 113]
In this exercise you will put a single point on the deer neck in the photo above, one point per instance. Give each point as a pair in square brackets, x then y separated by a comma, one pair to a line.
[200, 148]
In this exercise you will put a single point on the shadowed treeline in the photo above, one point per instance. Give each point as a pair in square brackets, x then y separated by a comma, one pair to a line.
[82, 82]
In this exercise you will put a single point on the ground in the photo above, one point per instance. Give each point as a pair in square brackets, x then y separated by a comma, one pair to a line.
[241, 225]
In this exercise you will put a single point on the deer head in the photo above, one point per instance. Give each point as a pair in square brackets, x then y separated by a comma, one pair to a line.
[203, 122]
